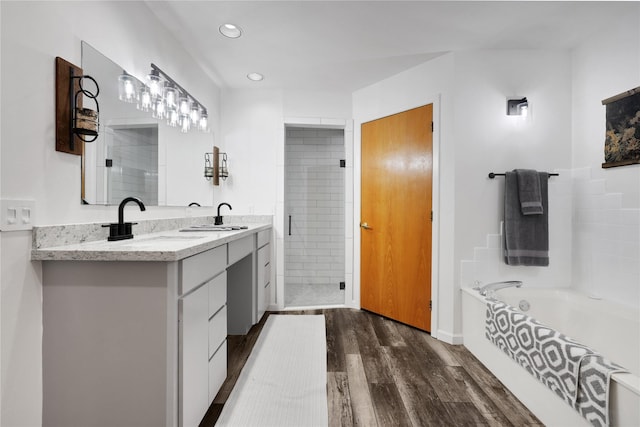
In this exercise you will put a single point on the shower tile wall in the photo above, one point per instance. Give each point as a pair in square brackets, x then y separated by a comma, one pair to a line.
[314, 188]
[135, 165]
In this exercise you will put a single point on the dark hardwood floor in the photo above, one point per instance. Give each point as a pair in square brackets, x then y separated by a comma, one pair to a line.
[383, 373]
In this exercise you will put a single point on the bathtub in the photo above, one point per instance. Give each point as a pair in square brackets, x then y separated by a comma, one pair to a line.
[610, 329]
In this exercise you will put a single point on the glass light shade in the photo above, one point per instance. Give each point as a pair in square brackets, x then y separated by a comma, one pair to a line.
[203, 124]
[156, 87]
[144, 99]
[195, 114]
[184, 106]
[173, 118]
[127, 88]
[171, 96]
[185, 123]
[159, 109]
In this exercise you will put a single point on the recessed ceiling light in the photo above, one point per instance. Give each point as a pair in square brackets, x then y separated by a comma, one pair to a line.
[256, 77]
[230, 30]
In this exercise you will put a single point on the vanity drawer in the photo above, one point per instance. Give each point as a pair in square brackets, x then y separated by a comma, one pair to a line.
[217, 330]
[264, 237]
[217, 371]
[217, 293]
[240, 248]
[199, 268]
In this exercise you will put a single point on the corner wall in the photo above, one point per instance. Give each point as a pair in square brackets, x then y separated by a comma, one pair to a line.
[476, 137]
[607, 217]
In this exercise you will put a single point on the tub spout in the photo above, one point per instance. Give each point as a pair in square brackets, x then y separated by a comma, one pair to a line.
[491, 287]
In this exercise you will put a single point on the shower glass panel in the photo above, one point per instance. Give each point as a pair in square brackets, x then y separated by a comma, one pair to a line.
[132, 164]
[314, 204]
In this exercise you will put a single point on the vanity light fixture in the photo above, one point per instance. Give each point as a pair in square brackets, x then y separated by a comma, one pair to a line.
[255, 77]
[127, 87]
[165, 98]
[231, 31]
[518, 107]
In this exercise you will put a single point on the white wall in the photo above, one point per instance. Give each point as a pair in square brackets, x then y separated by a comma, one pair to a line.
[252, 129]
[32, 35]
[607, 201]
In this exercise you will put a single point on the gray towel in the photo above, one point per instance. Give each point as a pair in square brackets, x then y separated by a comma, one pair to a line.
[526, 237]
[529, 192]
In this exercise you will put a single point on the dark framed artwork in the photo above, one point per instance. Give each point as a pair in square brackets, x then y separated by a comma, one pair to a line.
[622, 141]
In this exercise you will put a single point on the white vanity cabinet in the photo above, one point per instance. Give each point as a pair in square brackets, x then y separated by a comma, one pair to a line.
[131, 342]
[202, 332]
[263, 271]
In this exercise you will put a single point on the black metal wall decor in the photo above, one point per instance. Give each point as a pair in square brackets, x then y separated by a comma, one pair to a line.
[86, 122]
[75, 124]
[622, 140]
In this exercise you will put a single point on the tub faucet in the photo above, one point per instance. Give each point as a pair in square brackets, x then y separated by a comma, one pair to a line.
[494, 286]
[218, 220]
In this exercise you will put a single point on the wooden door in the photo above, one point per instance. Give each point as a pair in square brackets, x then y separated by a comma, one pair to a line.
[395, 231]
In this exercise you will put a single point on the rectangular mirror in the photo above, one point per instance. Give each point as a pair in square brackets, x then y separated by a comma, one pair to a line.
[137, 155]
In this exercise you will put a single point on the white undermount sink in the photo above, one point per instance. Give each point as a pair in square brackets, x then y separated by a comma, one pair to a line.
[157, 240]
[210, 227]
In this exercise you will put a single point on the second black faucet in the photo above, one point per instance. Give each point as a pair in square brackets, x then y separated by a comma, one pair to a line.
[218, 220]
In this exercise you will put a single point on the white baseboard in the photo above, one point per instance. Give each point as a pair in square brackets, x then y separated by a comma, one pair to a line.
[455, 339]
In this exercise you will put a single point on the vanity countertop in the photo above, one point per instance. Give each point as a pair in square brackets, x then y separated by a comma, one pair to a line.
[171, 245]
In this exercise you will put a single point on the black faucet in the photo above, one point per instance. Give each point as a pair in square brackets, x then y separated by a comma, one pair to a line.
[194, 204]
[219, 218]
[122, 230]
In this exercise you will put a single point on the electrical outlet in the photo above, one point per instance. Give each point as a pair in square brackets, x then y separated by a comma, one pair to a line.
[16, 215]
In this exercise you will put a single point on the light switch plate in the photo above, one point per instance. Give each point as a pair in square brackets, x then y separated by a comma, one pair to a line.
[16, 215]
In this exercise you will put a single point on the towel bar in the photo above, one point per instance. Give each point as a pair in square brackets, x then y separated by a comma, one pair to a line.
[493, 175]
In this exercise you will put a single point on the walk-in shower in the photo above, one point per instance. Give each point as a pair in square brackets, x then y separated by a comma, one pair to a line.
[314, 217]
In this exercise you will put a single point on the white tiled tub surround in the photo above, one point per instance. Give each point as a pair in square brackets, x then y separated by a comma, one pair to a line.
[606, 241]
[594, 251]
[314, 197]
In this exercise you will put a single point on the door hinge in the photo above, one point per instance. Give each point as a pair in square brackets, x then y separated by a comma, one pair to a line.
[430, 305]
[431, 216]
[431, 127]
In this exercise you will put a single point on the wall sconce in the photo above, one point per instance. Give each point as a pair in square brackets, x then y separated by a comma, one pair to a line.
[214, 168]
[75, 124]
[208, 167]
[166, 100]
[518, 107]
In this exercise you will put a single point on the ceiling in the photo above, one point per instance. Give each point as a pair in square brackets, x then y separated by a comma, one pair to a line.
[346, 45]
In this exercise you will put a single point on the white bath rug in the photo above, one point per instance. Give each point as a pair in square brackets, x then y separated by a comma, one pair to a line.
[284, 380]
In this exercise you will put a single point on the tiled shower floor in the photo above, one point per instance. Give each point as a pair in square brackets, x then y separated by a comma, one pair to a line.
[300, 295]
